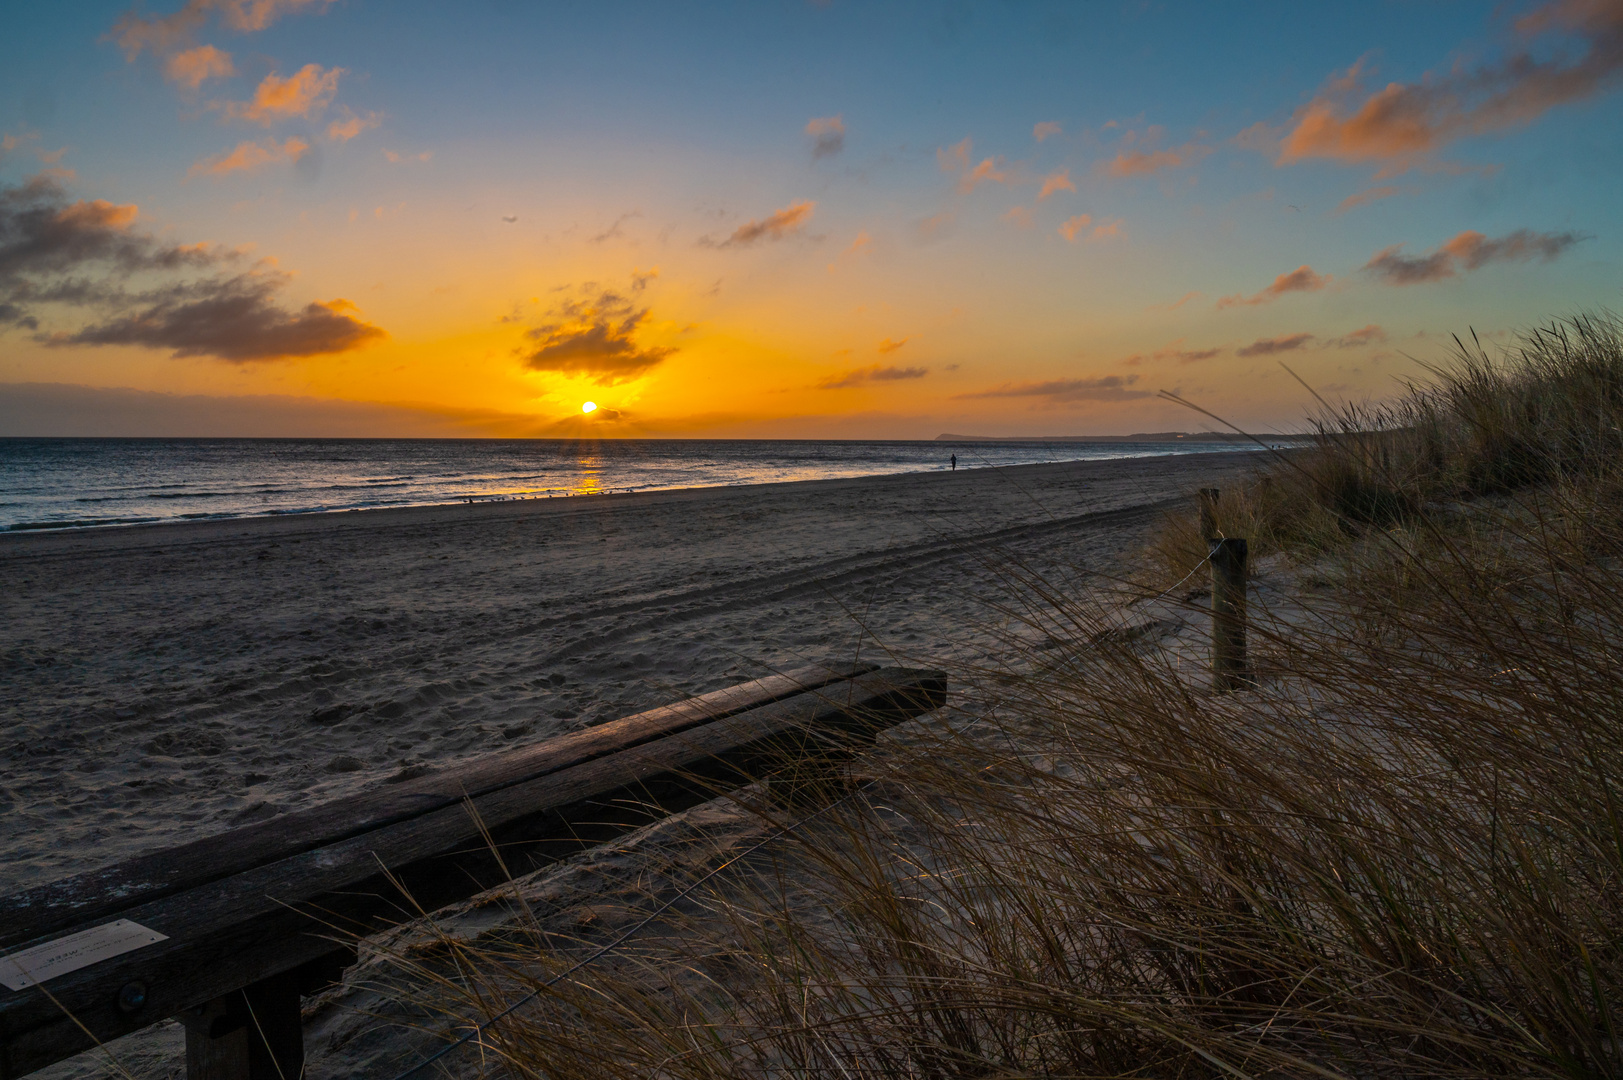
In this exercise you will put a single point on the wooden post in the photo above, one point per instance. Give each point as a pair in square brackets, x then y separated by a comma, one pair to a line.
[1208, 514]
[1230, 670]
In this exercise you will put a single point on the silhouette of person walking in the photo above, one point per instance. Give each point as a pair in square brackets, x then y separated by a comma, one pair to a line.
[955, 463]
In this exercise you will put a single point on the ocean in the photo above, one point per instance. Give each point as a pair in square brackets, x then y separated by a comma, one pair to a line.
[97, 483]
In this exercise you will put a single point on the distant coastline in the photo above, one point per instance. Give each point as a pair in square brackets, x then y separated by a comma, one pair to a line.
[1145, 437]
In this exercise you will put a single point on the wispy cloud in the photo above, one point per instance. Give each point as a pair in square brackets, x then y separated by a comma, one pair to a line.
[956, 158]
[1367, 196]
[251, 157]
[350, 124]
[615, 231]
[192, 67]
[594, 335]
[828, 136]
[849, 380]
[89, 257]
[889, 346]
[1178, 303]
[1270, 346]
[1059, 180]
[166, 33]
[1173, 352]
[1147, 162]
[862, 245]
[1468, 251]
[1302, 279]
[775, 226]
[1060, 391]
[1046, 129]
[936, 225]
[302, 94]
[1369, 335]
[1073, 228]
[1404, 122]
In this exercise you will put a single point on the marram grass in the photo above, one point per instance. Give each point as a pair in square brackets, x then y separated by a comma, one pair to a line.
[1401, 855]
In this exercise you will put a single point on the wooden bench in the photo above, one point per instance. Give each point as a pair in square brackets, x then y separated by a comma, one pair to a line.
[227, 932]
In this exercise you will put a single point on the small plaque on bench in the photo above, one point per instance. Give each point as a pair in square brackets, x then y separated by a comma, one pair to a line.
[30, 967]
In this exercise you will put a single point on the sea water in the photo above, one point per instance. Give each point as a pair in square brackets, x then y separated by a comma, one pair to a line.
[89, 483]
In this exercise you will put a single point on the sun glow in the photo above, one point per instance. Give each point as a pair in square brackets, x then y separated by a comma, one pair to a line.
[589, 406]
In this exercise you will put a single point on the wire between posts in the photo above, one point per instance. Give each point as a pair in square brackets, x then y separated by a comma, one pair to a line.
[604, 950]
[1186, 577]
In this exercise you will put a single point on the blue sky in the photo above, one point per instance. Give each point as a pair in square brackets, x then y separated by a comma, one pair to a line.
[534, 204]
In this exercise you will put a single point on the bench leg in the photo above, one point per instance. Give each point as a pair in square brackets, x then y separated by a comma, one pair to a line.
[251, 1034]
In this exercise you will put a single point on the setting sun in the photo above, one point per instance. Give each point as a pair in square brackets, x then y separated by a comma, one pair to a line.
[590, 406]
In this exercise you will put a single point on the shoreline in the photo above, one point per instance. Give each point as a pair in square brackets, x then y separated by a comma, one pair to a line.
[531, 493]
[196, 530]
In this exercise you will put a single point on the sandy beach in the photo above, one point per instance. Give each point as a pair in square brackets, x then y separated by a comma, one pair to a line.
[166, 682]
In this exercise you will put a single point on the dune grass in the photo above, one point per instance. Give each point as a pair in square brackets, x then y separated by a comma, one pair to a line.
[1400, 855]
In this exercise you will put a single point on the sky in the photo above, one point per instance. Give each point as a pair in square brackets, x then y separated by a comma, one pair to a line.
[785, 219]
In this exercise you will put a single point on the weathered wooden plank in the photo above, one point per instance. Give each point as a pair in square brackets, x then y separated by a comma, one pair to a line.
[98, 895]
[237, 931]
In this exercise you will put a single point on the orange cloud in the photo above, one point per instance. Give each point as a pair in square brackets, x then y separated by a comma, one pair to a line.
[1364, 198]
[250, 156]
[1019, 216]
[1107, 229]
[1402, 122]
[192, 67]
[1470, 250]
[986, 170]
[1144, 163]
[165, 33]
[1176, 304]
[889, 346]
[1369, 335]
[1075, 225]
[350, 125]
[936, 224]
[1045, 129]
[1270, 346]
[954, 158]
[97, 214]
[1056, 181]
[828, 134]
[1302, 279]
[306, 91]
[862, 245]
[775, 226]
